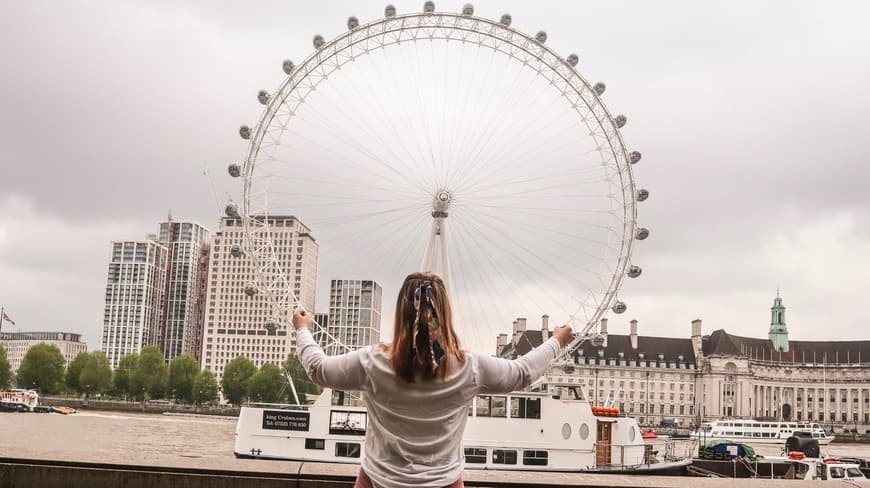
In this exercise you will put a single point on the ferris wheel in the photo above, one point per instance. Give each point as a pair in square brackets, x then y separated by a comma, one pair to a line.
[452, 143]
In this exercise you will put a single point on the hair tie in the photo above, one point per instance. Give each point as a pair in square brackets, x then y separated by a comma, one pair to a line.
[423, 295]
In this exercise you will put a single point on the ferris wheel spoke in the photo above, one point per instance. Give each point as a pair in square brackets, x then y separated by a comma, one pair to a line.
[577, 177]
[508, 158]
[527, 272]
[378, 112]
[349, 141]
[495, 125]
[551, 230]
[500, 291]
[556, 246]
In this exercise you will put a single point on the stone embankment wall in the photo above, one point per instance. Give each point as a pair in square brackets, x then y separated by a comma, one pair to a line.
[122, 406]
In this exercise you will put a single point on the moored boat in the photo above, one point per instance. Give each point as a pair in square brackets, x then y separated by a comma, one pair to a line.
[18, 400]
[527, 431]
[761, 432]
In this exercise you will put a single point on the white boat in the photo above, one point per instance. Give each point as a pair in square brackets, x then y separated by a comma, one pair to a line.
[521, 431]
[761, 431]
[827, 469]
[19, 400]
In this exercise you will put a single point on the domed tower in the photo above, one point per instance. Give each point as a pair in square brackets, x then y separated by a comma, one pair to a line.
[778, 332]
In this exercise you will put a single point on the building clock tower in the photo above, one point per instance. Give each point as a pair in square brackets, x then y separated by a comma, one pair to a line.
[778, 332]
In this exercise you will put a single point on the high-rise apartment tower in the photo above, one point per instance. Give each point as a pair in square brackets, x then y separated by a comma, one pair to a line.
[135, 288]
[181, 327]
[354, 314]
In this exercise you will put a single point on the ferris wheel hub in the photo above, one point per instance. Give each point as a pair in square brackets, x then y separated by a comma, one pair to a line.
[441, 203]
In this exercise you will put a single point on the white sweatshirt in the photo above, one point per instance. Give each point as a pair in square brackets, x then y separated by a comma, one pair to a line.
[414, 435]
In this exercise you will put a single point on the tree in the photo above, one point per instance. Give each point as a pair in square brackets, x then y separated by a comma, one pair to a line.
[267, 385]
[205, 388]
[150, 376]
[300, 379]
[96, 375]
[182, 372]
[121, 381]
[74, 370]
[42, 368]
[5, 369]
[237, 374]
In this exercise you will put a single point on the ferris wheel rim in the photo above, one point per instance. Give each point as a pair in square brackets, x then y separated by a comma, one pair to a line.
[442, 26]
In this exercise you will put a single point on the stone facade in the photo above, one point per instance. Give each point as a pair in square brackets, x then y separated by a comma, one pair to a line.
[719, 375]
[17, 344]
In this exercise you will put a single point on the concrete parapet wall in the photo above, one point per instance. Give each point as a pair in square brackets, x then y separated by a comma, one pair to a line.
[21, 473]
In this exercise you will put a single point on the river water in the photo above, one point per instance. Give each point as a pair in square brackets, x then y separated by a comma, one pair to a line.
[162, 440]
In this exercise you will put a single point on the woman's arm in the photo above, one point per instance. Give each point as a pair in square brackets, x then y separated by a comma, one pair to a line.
[497, 375]
[344, 372]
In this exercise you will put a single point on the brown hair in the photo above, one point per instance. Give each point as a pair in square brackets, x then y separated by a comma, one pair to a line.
[408, 364]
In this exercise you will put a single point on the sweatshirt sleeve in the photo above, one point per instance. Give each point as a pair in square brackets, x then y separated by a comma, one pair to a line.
[497, 375]
[343, 372]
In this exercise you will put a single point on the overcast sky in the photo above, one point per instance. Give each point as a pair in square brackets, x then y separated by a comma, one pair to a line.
[752, 118]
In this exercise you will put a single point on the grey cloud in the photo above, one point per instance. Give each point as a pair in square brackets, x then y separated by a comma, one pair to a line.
[751, 118]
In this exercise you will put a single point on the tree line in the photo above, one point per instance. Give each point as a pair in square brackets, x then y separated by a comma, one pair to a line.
[145, 375]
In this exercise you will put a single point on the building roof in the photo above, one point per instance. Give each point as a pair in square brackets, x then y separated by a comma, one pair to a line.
[651, 347]
[670, 348]
[721, 343]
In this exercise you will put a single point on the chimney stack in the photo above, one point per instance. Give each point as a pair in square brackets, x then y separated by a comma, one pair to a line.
[500, 343]
[519, 328]
[697, 343]
[603, 330]
[634, 334]
[696, 328]
[545, 327]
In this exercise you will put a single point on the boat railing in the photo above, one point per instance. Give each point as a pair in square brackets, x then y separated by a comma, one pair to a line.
[277, 406]
[646, 454]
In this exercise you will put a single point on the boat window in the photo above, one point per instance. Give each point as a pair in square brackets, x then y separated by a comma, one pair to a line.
[631, 434]
[315, 444]
[584, 431]
[483, 406]
[837, 472]
[525, 408]
[535, 458]
[475, 455]
[503, 456]
[347, 423]
[499, 406]
[347, 449]
[854, 473]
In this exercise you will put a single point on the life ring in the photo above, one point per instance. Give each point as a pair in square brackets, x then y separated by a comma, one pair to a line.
[796, 455]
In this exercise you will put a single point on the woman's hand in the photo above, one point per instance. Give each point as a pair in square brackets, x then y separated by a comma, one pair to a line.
[301, 319]
[563, 334]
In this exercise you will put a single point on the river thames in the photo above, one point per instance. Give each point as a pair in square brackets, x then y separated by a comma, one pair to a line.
[164, 440]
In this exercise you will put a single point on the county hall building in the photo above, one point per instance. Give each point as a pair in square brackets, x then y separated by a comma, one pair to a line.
[686, 381]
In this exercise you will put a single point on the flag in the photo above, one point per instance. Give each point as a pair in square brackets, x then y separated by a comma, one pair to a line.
[7, 319]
